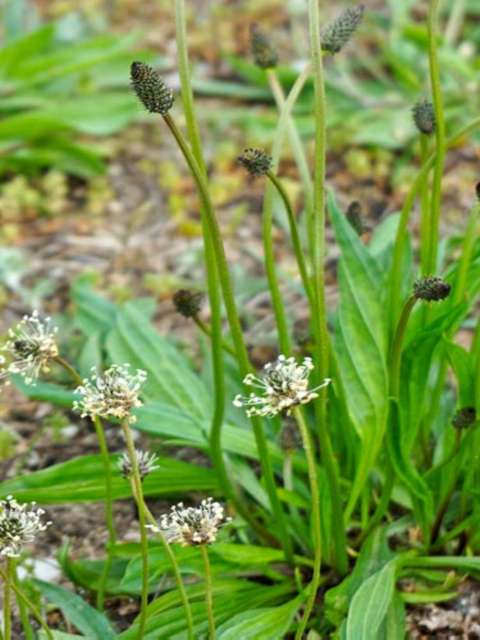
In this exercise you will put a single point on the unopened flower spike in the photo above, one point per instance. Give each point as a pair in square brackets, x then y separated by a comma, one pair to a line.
[264, 55]
[431, 289]
[424, 117]
[146, 464]
[30, 348]
[19, 525]
[283, 386]
[192, 526]
[255, 161]
[354, 216]
[336, 34]
[188, 303]
[150, 88]
[464, 418]
[111, 395]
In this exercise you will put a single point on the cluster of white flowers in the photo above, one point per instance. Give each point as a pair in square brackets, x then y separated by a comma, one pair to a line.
[145, 461]
[111, 395]
[284, 386]
[30, 347]
[19, 524]
[193, 526]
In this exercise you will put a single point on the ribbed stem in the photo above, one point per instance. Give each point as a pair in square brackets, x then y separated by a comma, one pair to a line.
[236, 330]
[176, 570]
[7, 602]
[29, 604]
[23, 611]
[396, 353]
[137, 491]
[208, 592]
[295, 236]
[439, 135]
[107, 468]
[315, 520]
[424, 208]
[205, 329]
[319, 319]
[396, 272]
[217, 278]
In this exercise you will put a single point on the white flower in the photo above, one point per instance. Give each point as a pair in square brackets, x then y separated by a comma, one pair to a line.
[284, 386]
[111, 395]
[190, 526]
[32, 344]
[19, 524]
[145, 460]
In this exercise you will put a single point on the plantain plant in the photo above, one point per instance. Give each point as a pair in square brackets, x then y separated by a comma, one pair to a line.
[343, 466]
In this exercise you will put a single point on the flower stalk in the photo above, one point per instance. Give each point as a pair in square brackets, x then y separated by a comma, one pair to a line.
[208, 592]
[107, 468]
[315, 520]
[137, 490]
[218, 280]
[319, 319]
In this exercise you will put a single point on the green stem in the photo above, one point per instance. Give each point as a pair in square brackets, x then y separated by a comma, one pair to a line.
[278, 306]
[396, 353]
[208, 592]
[424, 208]
[7, 603]
[107, 468]
[295, 236]
[319, 320]
[432, 28]
[396, 273]
[471, 235]
[315, 520]
[236, 330]
[29, 604]
[137, 491]
[26, 626]
[112, 535]
[204, 328]
[217, 279]
[267, 218]
[176, 571]
[294, 137]
[394, 387]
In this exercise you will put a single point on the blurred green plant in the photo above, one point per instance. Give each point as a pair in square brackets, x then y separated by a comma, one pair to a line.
[59, 88]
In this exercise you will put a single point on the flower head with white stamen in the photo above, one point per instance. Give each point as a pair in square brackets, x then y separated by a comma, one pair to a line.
[145, 461]
[284, 385]
[19, 524]
[31, 346]
[111, 395]
[193, 526]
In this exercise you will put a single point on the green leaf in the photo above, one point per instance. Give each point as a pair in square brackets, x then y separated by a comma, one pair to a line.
[260, 624]
[166, 618]
[58, 635]
[170, 376]
[463, 364]
[361, 344]
[82, 479]
[374, 555]
[93, 313]
[45, 392]
[395, 622]
[371, 603]
[86, 619]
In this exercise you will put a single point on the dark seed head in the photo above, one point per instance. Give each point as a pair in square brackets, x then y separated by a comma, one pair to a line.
[477, 190]
[150, 89]
[188, 303]
[424, 117]
[255, 161]
[464, 418]
[264, 55]
[336, 34]
[354, 216]
[431, 289]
